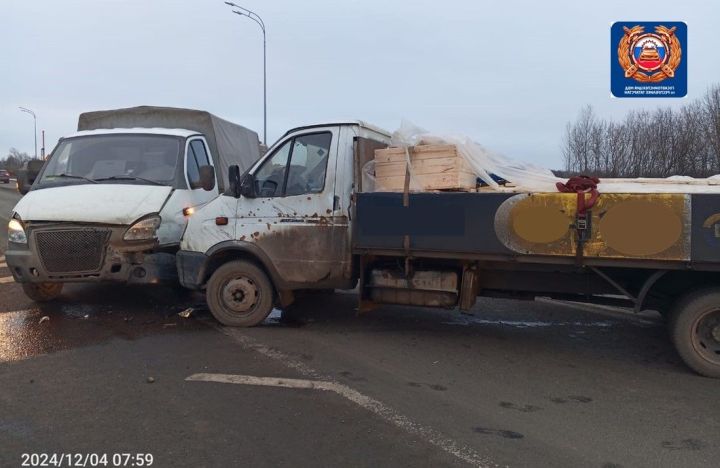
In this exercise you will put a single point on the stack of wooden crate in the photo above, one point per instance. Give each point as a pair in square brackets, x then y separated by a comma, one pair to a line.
[433, 167]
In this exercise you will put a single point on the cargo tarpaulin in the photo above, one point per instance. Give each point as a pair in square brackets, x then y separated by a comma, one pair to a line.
[524, 177]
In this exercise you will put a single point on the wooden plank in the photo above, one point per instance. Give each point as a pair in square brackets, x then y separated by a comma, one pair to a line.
[433, 167]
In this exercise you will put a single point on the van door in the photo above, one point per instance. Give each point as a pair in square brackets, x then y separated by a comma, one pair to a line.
[292, 219]
[183, 202]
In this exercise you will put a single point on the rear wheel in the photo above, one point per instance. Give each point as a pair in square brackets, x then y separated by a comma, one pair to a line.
[695, 330]
[239, 294]
[42, 292]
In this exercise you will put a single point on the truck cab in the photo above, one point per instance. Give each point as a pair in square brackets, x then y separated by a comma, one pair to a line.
[111, 204]
[284, 225]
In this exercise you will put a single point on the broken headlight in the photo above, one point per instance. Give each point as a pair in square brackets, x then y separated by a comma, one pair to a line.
[16, 232]
[145, 229]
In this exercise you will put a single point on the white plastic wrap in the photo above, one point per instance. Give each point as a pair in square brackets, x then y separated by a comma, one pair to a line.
[526, 177]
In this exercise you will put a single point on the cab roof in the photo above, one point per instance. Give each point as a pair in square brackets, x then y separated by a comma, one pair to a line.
[180, 132]
[360, 123]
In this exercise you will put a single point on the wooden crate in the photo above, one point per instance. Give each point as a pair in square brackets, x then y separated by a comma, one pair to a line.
[434, 167]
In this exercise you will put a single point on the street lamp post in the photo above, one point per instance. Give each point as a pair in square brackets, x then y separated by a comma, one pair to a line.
[28, 111]
[255, 17]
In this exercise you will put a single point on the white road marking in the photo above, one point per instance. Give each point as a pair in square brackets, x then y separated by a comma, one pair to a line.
[265, 381]
[7, 279]
[376, 407]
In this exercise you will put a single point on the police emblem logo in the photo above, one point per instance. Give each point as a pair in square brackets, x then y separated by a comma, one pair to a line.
[648, 57]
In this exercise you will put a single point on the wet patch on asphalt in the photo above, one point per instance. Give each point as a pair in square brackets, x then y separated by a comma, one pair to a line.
[498, 432]
[91, 314]
[521, 408]
[571, 399]
[683, 444]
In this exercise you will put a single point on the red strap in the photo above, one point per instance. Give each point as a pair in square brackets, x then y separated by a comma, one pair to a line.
[581, 185]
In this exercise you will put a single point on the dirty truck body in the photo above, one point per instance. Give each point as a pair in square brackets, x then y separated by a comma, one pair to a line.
[299, 219]
[112, 201]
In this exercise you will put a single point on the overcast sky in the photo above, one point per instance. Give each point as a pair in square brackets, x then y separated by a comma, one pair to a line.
[510, 74]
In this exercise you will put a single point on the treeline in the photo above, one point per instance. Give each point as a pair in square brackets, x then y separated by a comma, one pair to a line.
[14, 160]
[658, 143]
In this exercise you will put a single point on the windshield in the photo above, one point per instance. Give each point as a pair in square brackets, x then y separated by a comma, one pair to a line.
[143, 159]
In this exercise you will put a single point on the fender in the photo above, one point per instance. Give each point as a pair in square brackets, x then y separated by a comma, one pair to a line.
[252, 250]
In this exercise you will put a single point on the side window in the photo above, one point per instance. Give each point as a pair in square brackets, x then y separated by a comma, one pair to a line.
[269, 179]
[308, 163]
[296, 168]
[201, 155]
[197, 157]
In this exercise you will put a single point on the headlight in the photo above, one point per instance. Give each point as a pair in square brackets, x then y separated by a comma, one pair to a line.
[145, 229]
[16, 232]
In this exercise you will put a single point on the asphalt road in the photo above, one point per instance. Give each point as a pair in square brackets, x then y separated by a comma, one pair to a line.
[115, 369]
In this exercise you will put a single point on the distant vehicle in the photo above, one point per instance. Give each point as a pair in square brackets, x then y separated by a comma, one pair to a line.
[112, 201]
[26, 175]
[4, 176]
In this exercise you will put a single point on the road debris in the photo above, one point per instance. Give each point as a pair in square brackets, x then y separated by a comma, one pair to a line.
[44, 318]
[186, 313]
[150, 379]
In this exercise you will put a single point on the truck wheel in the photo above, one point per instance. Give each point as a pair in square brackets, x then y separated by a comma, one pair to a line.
[695, 330]
[42, 292]
[239, 294]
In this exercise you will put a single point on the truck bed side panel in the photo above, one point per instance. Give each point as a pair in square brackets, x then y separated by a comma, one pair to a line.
[434, 221]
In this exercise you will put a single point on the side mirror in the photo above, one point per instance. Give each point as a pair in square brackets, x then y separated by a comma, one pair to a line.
[247, 187]
[207, 177]
[234, 180]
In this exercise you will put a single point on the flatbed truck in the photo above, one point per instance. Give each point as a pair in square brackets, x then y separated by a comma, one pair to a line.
[300, 219]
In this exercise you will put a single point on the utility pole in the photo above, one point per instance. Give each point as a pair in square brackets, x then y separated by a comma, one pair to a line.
[28, 111]
[255, 17]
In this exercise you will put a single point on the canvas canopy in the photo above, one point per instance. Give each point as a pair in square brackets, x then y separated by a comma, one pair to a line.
[229, 143]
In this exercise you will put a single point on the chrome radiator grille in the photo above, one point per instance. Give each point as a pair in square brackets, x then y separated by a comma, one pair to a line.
[72, 250]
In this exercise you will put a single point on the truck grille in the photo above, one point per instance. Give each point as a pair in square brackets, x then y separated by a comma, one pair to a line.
[72, 251]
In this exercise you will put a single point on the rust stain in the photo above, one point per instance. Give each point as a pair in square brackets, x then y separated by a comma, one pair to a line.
[305, 255]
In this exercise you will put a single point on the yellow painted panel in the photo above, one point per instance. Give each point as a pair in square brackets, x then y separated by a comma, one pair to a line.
[650, 226]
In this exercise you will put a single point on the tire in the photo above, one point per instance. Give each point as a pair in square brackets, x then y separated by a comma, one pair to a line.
[695, 331]
[42, 292]
[239, 294]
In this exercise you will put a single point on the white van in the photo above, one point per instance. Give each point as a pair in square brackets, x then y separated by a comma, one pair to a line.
[113, 200]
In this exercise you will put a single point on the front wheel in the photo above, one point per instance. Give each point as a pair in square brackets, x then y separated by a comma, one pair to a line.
[239, 294]
[42, 292]
[695, 330]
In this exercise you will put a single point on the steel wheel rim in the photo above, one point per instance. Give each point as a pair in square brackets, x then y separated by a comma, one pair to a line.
[706, 336]
[240, 295]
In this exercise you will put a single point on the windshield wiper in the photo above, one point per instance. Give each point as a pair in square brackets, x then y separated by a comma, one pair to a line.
[128, 177]
[72, 176]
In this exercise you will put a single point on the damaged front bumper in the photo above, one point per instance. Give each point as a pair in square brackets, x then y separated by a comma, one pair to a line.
[87, 253]
[191, 268]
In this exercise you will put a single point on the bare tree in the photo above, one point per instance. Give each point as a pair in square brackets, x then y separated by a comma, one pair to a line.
[14, 160]
[660, 143]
